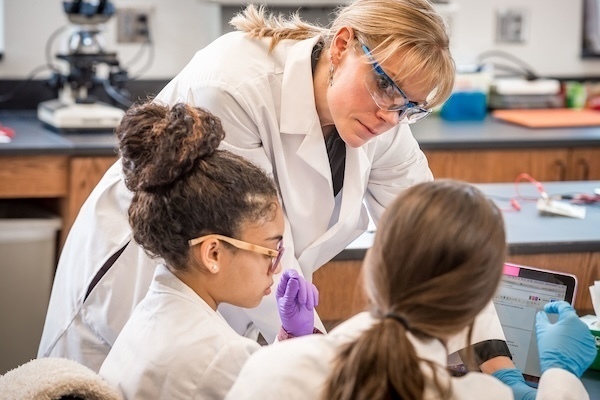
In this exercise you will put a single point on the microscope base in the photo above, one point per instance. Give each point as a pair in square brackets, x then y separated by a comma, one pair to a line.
[79, 117]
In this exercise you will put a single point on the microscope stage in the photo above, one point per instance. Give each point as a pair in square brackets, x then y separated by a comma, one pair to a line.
[79, 117]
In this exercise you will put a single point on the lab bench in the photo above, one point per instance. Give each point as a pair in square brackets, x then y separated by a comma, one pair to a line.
[493, 151]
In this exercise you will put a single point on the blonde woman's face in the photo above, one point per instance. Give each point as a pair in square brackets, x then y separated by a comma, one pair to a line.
[355, 114]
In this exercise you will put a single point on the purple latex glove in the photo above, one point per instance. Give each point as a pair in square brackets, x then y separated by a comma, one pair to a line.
[296, 299]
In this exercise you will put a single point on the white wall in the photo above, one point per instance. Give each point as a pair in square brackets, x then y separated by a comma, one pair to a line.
[554, 34]
[180, 27]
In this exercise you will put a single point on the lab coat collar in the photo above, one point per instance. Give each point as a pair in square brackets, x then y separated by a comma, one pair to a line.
[164, 281]
[298, 108]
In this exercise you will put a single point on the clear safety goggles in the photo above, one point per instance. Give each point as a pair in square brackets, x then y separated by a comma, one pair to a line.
[388, 96]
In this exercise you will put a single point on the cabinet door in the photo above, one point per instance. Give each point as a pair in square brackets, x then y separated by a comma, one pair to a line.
[489, 166]
[86, 172]
[33, 177]
[584, 164]
[340, 292]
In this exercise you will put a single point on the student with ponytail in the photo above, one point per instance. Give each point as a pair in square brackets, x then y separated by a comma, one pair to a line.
[435, 264]
[215, 220]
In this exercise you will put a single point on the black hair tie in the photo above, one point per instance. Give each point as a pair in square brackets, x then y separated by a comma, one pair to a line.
[398, 318]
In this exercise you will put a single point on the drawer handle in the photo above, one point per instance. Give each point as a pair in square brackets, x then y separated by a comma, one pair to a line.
[584, 166]
[562, 169]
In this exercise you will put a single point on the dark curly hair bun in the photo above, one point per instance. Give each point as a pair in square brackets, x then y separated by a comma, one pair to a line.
[160, 144]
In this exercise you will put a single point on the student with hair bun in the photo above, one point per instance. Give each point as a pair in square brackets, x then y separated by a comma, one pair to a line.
[435, 263]
[215, 220]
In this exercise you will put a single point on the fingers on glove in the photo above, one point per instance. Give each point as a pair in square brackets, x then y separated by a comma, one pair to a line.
[315, 292]
[293, 289]
[283, 282]
[302, 293]
[562, 308]
[541, 321]
[310, 297]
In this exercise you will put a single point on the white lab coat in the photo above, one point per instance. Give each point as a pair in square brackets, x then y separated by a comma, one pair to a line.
[175, 346]
[266, 104]
[297, 369]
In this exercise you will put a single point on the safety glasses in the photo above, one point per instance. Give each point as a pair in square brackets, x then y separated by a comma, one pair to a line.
[388, 96]
[274, 254]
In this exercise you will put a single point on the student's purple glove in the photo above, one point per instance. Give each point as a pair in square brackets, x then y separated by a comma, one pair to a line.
[296, 299]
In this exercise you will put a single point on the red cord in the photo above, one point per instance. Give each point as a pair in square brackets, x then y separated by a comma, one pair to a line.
[515, 206]
[528, 177]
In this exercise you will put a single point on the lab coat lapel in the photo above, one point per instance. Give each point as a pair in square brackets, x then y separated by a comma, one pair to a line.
[353, 218]
[298, 109]
[305, 184]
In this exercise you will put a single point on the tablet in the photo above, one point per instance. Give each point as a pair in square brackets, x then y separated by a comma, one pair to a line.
[523, 291]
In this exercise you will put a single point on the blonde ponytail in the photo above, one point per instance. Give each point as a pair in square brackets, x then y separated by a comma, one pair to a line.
[258, 24]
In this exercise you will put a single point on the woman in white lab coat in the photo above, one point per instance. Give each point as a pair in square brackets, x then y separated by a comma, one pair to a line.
[435, 263]
[215, 220]
[319, 109]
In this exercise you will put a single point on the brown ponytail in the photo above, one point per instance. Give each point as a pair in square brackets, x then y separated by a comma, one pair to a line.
[381, 364]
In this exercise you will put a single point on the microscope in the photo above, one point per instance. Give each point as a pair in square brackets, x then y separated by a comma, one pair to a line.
[76, 109]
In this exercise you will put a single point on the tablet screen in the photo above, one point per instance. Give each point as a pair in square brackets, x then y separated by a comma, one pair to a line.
[523, 292]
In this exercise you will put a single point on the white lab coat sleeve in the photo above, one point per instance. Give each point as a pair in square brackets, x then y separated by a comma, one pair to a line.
[242, 135]
[398, 164]
[558, 383]
[473, 386]
[283, 371]
[224, 369]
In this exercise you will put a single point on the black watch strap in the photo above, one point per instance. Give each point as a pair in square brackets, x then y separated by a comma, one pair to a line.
[488, 349]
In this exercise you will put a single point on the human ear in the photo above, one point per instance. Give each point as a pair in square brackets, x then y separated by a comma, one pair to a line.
[341, 42]
[209, 254]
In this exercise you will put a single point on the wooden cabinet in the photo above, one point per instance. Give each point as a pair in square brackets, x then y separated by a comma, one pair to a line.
[34, 177]
[489, 166]
[341, 295]
[61, 183]
[85, 173]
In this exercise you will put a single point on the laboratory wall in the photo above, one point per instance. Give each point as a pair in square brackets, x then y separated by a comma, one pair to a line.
[553, 34]
[180, 27]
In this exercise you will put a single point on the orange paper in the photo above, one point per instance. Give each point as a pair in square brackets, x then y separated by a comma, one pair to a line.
[549, 118]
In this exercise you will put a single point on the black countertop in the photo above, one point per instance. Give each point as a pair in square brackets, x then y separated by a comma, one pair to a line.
[527, 231]
[33, 138]
[433, 133]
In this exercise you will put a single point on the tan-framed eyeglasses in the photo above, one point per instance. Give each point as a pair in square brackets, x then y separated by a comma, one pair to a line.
[240, 244]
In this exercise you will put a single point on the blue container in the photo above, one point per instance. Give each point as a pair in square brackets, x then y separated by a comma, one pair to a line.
[465, 106]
